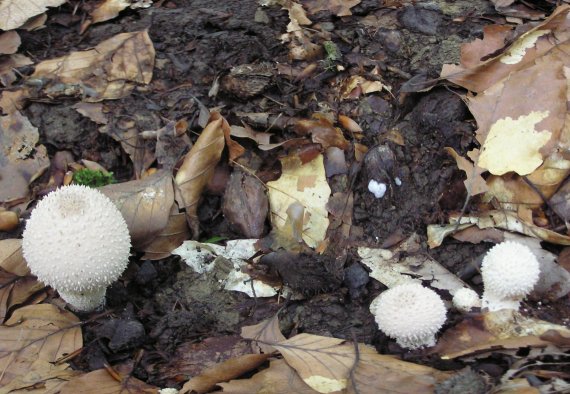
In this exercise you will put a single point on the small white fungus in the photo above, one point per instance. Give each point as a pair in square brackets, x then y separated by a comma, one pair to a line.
[509, 270]
[466, 299]
[77, 242]
[398, 181]
[410, 313]
[377, 188]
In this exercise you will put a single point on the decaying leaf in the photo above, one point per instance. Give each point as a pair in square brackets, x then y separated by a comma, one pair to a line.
[21, 161]
[355, 86]
[264, 333]
[197, 169]
[102, 382]
[222, 372]
[14, 13]
[391, 269]
[331, 365]
[93, 111]
[15, 290]
[475, 184]
[108, 9]
[279, 378]
[171, 143]
[307, 185]
[336, 7]
[36, 332]
[7, 66]
[171, 237]
[11, 258]
[42, 375]
[492, 331]
[322, 132]
[9, 42]
[145, 205]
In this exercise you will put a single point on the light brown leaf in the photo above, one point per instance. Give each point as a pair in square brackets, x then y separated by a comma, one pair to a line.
[263, 333]
[14, 13]
[197, 169]
[475, 184]
[322, 132]
[41, 375]
[15, 290]
[7, 66]
[336, 7]
[11, 258]
[36, 332]
[279, 378]
[222, 372]
[21, 161]
[171, 237]
[504, 329]
[330, 364]
[101, 382]
[145, 205]
[108, 71]
[107, 10]
[9, 42]
[93, 111]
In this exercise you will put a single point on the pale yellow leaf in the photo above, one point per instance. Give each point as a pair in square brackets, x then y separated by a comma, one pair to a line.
[14, 13]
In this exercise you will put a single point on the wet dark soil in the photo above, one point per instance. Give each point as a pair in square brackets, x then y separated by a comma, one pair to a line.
[168, 321]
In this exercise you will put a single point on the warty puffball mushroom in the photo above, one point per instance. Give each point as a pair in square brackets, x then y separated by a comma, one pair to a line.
[410, 313]
[509, 270]
[77, 242]
[466, 299]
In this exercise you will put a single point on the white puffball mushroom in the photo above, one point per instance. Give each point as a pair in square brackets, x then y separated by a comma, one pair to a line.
[77, 242]
[377, 188]
[509, 270]
[466, 299]
[410, 313]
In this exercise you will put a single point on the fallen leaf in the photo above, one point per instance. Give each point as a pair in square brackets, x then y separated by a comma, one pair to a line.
[21, 161]
[42, 375]
[322, 132]
[171, 143]
[491, 331]
[475, 184]
[145, 204]
[107, 10]
[336, 7]
[197, 169]
[279, 378]
[356, 85]
[14, 13]
[15, 290]
[171, 237]
[222, 372]
[263, 333]
[36, 332]
[9, 42]
[102, 382]
[247, 132]
[331, 365]
[93, 111]
[11, 258]
[7, 66]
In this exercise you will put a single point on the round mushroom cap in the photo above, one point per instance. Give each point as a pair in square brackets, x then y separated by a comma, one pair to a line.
[466, 299]
[76, 240]
[410, 313]
[509, 270]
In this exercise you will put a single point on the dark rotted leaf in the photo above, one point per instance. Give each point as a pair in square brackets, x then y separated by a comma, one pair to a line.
[245, 204]
[322, 132]
[248, 80]
[172, 142]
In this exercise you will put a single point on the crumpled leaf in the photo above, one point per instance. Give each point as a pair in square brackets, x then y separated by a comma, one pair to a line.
[307, 185]
[330, 365]
[102, 382]
[322, 132]
[405, 264]
[7, 74]
[14, 13]
[171, 237]
[336, 7]
[36, 332]
[279, 378]
[9, 42]
[491, 331]
[145, 205]
[108, 9]
[42, 373]
[222, 372]
[15, 290]
[197, 169]
[263, 333]
[11, 258]
[475, 184]
[21, 161]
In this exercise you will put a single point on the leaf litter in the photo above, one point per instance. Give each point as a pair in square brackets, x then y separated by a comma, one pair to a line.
[290, 190]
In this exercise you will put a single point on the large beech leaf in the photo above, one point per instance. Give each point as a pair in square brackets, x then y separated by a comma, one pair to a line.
[145, 205]
[171, 237]
[102, 382]
[14, 13]
[36, 332]
[11, 258]
[330, 364]
[264, 332]
[197, 169]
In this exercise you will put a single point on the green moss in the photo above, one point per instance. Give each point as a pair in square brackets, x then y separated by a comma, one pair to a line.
[93, 178]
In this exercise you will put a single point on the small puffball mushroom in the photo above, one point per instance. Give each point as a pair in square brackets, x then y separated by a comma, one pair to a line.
[77, 242]
[410, 313]
[509, 270]
[466, 299]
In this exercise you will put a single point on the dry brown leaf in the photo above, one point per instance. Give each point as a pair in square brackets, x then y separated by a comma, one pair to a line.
[110, 70]
[107, 10]
[13, 101]
[247, 132]
[494, 38]
[222, 372]
[322, 132]
[145, 205]
[36, 332]
[330, 364]
[197, 169]
[171, 237]
[14, 13]
[21, 161]
[15, 290]
[491, 331]
[11, 258]
[101, 382]
[9, 42]
[475, 184]
[234, 148]
[279, 378]
[93, 111]
[336, 7]
[43, 376]
[263, 333]
[7, 66]
[171, 143]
